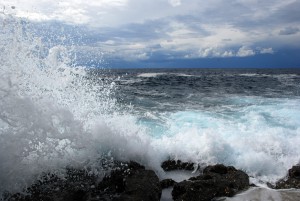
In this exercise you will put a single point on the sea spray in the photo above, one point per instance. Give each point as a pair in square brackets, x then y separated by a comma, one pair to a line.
[53, 113]
[37, 129]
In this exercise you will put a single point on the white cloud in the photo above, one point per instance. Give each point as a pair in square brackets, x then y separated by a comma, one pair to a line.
[110, 42]
[228, 53]
[209, 52]
[70, 11]
[245, 52]
[175, 3]
[106, 3]
[267, 51]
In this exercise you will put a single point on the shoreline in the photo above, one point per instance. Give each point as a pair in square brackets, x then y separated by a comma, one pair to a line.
[132, 181]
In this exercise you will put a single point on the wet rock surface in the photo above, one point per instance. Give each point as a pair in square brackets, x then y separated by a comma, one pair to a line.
[77, 186]
[166, 183]
[292, 180]
[216, 181]
[128, 181]
[170, 165]
[141, 185]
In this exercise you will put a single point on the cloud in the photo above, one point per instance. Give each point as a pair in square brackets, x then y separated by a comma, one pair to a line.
[69, 11]
[221, 52]
[289, 31]
[245, 52]
[267, 51]
[214, 53]
[287, 12]
[143, 29]
[175, 2]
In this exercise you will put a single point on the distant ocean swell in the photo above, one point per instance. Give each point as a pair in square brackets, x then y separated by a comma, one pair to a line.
[54, 113]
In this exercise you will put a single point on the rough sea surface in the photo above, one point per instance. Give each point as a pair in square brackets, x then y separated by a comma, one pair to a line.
[248, 118]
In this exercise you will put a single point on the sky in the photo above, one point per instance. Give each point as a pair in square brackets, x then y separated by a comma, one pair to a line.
[173, 33]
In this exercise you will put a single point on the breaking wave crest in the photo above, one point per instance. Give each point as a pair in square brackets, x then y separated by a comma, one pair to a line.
[53, 113]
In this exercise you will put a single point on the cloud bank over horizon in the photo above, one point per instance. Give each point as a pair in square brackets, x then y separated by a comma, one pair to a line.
[140, 30]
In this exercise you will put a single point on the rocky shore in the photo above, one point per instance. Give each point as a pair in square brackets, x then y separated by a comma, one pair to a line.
[130, 181]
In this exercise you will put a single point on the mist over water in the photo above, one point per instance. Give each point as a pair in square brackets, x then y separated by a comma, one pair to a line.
[54, 113]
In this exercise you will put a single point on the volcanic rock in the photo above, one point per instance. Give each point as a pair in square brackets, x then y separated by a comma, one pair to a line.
[128, 181]
[166, 183]
[291, 181]
[216, 181]
[141, 185]
[170, 165]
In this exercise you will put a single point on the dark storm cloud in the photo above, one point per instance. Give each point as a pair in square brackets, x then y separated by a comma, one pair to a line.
[289, 31]
[289, 13]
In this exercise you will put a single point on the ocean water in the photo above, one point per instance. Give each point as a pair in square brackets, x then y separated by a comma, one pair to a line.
[55, 113]
[248, 118]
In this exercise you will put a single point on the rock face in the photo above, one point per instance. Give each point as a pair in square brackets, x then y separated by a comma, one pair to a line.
[166, 183]
[216, 181]
[140, 184]
[129, 181]
[292, 180]
[170, 165]
[75, 186]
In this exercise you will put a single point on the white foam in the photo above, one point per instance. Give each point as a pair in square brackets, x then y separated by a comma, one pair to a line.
[261, 139]
[249, 74]
[150, 74]
[166, 194]
[179, 175]
[262, 194]
[182, 75]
